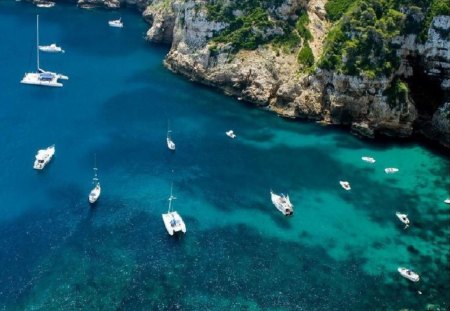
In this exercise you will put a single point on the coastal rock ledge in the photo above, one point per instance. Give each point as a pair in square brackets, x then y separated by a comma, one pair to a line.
[268, 77]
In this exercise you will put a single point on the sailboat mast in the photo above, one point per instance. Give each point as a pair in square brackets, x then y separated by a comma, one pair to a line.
[170, 198]
[37, 41]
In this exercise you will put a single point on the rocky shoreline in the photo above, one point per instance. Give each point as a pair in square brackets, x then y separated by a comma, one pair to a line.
[271, 78]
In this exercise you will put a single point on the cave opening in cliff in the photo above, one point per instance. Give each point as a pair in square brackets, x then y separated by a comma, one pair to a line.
[425, 91]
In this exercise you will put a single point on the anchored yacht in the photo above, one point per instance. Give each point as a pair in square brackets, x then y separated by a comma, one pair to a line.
[391, 170]
[230, 134]
[52, 48]
[172, 220]
[170, 143]
[43, 156]
[368, 159]
[345, 185]
[282, 203]
[95, 192]
[403, 218]
[408, 274]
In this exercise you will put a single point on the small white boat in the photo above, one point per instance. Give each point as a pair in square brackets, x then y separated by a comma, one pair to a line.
[43, 156]
[230, 134]
[172, 220]
[95, 192]
[408, 274]
[52, 48]
[45, 4]
[447, 201]
[282, 203]
[403, 218]
[345, 185]
[116, 23]
[368, 159]
[170, 143]
[391, 170]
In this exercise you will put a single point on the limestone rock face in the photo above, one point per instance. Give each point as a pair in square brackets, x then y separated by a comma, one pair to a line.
[269, 77]
[436, 52]
[160, 15]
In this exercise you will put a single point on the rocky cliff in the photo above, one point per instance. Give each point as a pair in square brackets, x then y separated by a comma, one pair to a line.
[267, 76]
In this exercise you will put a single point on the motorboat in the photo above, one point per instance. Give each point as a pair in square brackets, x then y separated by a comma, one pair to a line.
[45, 4]
[282, 203]
[345, 185]
[409, 274]
[230, 134]
[42, 77]
[447, 201]
[368, 159]
[172, 220]
[170, 143]
[116, 23]
[95, 192]
[52, 48]
[43, 156]
[391, 170]
[403, 218]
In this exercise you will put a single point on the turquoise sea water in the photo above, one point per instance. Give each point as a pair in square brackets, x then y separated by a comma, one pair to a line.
[340, 251]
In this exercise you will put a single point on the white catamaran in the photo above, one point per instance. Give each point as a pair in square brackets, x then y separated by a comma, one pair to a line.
[172, 220]
[41, 76]
[95, 192]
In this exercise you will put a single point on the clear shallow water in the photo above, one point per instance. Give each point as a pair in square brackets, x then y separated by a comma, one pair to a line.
[340, 251]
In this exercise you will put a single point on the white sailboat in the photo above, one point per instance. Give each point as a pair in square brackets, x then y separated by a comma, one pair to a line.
[116, 23]
[95, 192]
[282, 203]
[170, 143]
[41, 76]
[43, 156]
[172, 220]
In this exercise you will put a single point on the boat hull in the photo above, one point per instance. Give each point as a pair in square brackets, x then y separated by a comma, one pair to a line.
[408, 274]
[94, 194]
[173, 223]
[43, 157]
[34, 79]
[282, 204]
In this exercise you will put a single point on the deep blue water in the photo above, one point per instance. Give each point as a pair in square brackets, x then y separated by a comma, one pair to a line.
[340, 250]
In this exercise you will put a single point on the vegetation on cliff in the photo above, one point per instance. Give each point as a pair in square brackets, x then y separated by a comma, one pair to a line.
[360, 42]
[256, 22]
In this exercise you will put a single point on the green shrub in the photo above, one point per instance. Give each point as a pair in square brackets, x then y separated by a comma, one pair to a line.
[305, 56]
[302, 26]
[336, 8]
